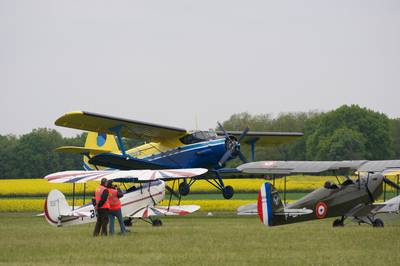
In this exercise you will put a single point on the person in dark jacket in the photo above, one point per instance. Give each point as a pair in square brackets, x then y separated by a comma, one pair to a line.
[102, 206]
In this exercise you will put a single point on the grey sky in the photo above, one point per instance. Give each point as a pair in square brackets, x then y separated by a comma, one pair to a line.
[168, 61]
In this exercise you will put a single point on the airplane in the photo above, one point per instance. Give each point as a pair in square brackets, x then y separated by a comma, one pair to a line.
[167, 147]
[354, 199]
[140, 202]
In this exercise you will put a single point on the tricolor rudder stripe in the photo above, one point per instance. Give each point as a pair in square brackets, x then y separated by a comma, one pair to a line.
[264, 204]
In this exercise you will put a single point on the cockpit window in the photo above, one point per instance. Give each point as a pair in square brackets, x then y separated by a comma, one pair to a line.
[198, 136]
[330, 185]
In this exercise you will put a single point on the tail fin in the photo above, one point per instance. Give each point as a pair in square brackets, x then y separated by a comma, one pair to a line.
[269, 202]
[55, 206]
[96, 140]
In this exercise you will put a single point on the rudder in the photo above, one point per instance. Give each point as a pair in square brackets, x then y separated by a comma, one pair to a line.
[268, 203]
[55, 206]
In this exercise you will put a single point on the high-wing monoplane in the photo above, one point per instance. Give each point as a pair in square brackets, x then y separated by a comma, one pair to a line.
[167, 147]
[139, 201]
[355, 199]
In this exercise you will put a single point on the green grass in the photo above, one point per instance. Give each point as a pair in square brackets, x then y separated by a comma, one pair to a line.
[222, 239]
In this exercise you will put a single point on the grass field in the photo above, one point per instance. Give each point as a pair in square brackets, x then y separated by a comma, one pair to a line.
[222, 239]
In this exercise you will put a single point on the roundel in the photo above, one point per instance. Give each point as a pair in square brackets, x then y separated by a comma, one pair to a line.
[320, 210]
[101, 139]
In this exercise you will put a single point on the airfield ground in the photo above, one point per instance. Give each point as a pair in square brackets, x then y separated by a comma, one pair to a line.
[222, 239]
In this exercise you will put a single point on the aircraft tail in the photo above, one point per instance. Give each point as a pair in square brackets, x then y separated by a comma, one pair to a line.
[271, 209]
[268, 203]
[55, 206]
[99, 141]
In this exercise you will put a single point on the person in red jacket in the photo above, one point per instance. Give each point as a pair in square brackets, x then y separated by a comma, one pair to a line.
[102, 207]
[115, 194]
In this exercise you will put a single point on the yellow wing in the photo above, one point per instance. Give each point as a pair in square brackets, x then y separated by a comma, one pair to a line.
[265, 138]
[111, 125]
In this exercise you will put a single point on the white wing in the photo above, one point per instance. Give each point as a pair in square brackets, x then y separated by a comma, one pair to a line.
[134, 175]
[164, 210]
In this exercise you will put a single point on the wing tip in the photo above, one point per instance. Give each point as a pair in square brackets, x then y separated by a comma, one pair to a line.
[61, 121]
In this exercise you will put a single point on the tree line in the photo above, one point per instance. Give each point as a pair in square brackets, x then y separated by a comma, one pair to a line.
[347, 133]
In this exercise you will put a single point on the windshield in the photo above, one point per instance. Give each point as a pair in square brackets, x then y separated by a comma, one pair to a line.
[198, 136]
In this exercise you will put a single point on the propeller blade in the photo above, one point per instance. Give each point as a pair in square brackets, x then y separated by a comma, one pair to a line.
[225, 157]
[171, 191]
[241, 156]
[391, 183]
[243, 133]
[223, 129]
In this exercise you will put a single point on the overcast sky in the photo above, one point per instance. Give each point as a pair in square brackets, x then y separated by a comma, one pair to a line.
[170, 61]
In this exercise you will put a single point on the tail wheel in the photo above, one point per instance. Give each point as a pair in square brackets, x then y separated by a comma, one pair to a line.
[338, 223]
[184, 188]
[377, 223]
[227, 192]
[156, 222]
[128, 222]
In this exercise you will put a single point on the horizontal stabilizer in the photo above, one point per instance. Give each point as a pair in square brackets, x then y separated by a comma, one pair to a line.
[165, 210]
[81, 150]
[76, 214]
[293, 212]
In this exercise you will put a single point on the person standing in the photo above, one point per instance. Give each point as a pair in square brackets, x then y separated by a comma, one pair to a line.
[102, 206]
[115, 194]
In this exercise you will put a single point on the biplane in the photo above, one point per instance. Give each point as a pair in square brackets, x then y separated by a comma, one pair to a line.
[355, 199]
[138, 202]
[166, 147]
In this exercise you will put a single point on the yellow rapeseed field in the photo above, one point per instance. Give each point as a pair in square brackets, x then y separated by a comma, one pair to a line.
[16, 192]
[32, 187]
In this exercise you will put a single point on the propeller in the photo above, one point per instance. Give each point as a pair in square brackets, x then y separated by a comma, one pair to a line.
[232, 146]
[391, 183]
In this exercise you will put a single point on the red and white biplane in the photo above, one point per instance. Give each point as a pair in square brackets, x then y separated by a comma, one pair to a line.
[139, 201]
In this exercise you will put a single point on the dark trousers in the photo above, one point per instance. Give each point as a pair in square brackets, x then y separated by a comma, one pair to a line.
[102, 222]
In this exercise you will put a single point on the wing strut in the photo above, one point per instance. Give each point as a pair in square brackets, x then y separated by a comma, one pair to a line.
[117, 132]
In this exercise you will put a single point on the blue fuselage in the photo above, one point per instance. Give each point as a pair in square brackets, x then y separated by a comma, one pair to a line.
[204, 154]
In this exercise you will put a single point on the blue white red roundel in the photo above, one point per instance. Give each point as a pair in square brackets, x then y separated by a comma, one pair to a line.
[321, 209]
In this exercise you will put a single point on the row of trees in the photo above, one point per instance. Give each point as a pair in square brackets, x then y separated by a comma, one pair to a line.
[33, 155]
[347, 133]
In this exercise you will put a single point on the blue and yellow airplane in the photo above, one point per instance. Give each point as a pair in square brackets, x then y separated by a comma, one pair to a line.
[166, 147]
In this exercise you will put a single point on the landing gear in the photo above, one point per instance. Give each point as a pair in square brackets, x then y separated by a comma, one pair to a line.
[338, 223]
[184, 188]
[156, 222]
[377, 223]
[227, 192]
[128, 222]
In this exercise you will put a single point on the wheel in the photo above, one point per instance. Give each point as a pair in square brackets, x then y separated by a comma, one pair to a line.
[377, 223]
[227, 192]
[338, 223]
[156, 222]
[128, 222]
[184, 188]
